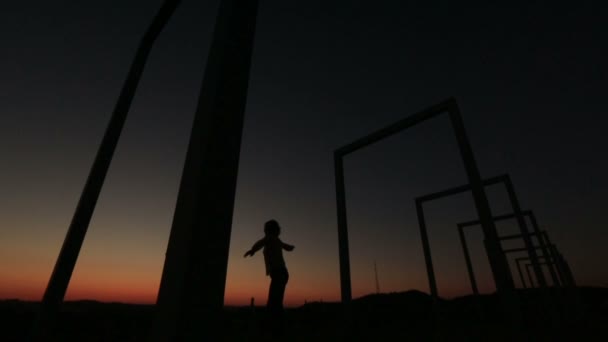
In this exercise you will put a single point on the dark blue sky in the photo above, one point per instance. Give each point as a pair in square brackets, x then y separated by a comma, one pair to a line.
[530, 79]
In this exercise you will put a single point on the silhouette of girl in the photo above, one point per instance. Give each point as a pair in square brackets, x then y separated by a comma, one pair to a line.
[275, 264]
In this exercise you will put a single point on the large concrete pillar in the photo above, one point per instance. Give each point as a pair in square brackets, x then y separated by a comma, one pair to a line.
[191, 293]
[66, 261]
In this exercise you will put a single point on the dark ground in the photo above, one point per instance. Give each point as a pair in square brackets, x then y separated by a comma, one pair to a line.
[405, 316]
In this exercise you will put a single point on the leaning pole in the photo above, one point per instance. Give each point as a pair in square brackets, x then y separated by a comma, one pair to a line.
[191, 293]
[66, 261]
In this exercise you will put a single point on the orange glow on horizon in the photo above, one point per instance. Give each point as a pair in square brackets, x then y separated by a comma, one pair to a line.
[144, 292]
[148, 295]
[131, 278]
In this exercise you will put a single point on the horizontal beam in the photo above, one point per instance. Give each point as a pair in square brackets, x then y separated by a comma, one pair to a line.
[515, 236]
[527, 258]
[496, 218]
[542, 263]
[396, 127]
[522, 249]
[459, 189]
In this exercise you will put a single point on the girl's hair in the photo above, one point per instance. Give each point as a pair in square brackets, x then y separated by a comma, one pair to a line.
[272, 228]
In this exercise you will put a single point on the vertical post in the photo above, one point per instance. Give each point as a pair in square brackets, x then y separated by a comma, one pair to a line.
[543, 247]
[345, 285]
[467, 258]
[567, 270]
[498, 261]
[577, 307]
[377, 281]
[426, 248]
[562, 272]
[521, 275]
[66, 261]
[525, 234]
[554, 254]
[191, 294]
[532, 282]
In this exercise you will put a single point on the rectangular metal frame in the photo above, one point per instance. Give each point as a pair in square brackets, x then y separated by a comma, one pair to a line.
[543, 239]
[499, 265]
[514, 201]
[540, 235]
[518, 264]
[530, 277]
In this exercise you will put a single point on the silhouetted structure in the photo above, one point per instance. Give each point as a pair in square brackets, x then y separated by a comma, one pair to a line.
[566, 270]
[542, 237]
[377, 281]
[511, 305]
[562, 265]
[468, 262]
[553, 301]
[530, 277]
[549, 304]
[498, 263]
[522, 279]
[191, 293]
[66, 261]
[506, 181]
[520, 261]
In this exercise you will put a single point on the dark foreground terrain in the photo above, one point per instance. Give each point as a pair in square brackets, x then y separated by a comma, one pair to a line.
[406, 316]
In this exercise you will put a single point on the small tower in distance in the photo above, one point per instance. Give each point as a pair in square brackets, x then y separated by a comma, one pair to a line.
[376, 273]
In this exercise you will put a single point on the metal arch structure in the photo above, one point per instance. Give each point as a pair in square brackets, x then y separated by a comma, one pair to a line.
[555, 265]
[548, 305]
[518, 265]
[522, 265]
[563, 267]
[530, 277]
[498, 262]
[514, 201]
[469, 264]
[542, 236]
[518, 262]
[549, 250]
[530, 248]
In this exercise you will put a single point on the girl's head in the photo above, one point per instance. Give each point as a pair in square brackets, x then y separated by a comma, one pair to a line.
[272, 228]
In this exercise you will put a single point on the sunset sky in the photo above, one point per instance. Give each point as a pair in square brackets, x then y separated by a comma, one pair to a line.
[531, 83]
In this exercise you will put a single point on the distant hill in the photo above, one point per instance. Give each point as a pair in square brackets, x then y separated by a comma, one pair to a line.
[380, 317]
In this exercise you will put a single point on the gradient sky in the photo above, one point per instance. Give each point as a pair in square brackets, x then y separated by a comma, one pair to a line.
[531, 82]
